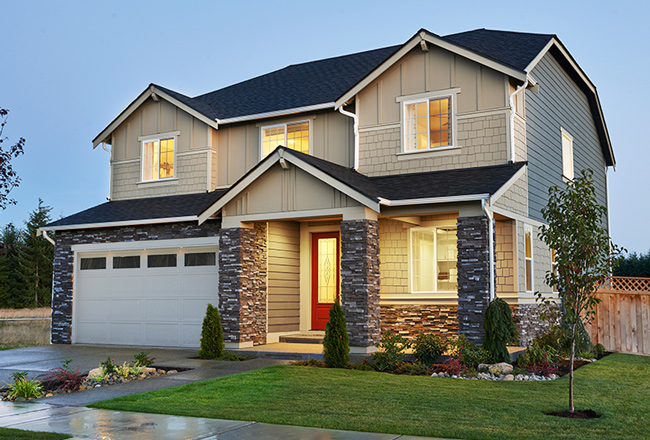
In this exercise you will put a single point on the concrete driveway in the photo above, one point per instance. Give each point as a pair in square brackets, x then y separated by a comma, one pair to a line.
[38, 360]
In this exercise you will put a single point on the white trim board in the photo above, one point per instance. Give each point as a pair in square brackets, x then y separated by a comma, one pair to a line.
[151, 221]
[146, 244]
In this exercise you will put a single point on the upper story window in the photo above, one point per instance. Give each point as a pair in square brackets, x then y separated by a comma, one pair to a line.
[294, 136]
[158, 159]
[567, 155]
[433, 259]
[428, 123]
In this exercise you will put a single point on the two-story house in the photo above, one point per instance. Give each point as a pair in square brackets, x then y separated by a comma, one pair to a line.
[408, 181]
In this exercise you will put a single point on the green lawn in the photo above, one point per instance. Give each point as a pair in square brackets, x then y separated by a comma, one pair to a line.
[617, 386]
[19, 434]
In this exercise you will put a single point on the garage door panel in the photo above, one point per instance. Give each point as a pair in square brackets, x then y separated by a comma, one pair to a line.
[162, 310]
[146, 306]
[92, 332]
[93, 309]
[125, 310]
[163, 334]
[159, 285]
[126, 285]
[126, 333]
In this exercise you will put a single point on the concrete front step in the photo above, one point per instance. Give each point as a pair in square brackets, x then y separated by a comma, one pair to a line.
[305, 338]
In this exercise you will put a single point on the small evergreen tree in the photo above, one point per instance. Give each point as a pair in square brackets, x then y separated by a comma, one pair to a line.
[10, 283]
[36, 256]
[336, 344]
[500, 329]
[212, 344]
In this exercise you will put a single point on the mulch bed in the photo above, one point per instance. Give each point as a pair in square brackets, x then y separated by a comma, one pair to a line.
[577, 414]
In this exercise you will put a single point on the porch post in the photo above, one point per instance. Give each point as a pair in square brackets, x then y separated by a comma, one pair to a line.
[360, 282]
[242, 285]
[473, 276]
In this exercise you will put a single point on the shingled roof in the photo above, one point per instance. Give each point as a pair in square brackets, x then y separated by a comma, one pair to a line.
[153, 208]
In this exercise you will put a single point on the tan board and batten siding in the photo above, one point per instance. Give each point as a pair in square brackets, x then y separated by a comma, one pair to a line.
[559, 104]
[331, 138]
[283, 276]
[193, 143]
[482, 113]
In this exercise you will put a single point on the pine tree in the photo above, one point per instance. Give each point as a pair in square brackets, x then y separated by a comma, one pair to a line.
[10, 284]
[336, 344]
[500, 330]
[212, 343]
[36, 256]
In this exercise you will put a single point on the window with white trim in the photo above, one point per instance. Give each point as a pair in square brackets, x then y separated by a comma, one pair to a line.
[293, 135]
[567, 155]
[433, 256]
[158, 159]
[428, 123]
[528, 254]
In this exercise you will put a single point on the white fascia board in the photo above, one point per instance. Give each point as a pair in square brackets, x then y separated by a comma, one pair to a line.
[289, 111]
[539, 56]
[437, 42]
[434, 200]
[147, 244]
[151, 90]
[569, 59]
[506, 186]
[513, 215]
[151, 221]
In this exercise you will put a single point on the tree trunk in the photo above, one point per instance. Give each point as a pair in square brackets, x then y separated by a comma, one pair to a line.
[571, 359]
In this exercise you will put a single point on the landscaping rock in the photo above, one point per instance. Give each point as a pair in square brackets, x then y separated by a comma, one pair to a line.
[509, 377]
[500, 368]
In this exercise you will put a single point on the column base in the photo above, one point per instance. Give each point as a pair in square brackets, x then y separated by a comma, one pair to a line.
[363, 350]
[236, 345]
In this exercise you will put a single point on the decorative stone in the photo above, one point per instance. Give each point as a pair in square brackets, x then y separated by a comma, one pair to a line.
[499, 369]
[360, 281]
[411, 320]
[509, 377]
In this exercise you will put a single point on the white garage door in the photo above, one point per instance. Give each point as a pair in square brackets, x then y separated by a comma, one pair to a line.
[144, 297]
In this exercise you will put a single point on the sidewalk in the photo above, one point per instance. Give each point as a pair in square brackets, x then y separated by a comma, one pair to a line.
[87, 423]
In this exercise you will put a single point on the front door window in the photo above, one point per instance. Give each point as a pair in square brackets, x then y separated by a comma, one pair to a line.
[325, 276]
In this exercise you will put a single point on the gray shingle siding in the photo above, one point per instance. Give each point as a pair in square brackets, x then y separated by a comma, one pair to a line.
[559, 104]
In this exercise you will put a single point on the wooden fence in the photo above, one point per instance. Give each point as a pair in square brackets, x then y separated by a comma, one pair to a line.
[622, 321]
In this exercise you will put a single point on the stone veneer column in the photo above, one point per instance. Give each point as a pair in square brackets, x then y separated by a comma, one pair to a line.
[473, 276]
[360, 282]
[242, 285]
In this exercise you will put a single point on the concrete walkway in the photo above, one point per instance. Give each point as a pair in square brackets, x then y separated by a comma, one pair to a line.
[87, 423]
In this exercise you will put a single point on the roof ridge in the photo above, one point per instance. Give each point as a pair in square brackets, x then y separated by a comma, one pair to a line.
[500, 31]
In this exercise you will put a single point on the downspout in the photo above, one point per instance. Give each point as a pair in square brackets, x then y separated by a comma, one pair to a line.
[45, 236]
[512, 118]
[110, 170]
[488, 214]
[356, 135]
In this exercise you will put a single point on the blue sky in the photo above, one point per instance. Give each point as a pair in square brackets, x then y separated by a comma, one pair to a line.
[68, 68]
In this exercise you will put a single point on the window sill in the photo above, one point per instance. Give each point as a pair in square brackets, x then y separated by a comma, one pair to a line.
[160, 182]
[433, 152]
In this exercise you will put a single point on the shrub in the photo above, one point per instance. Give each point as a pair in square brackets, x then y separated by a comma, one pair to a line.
[544, 367]
[538, 353]
[361, 366]
[468, 354]
[428, 348]
[411, 369]
[228, 356]
[500, 330]
[142, 359]
[212, 344]
[600, 350]
[311, 362]
[26, 388]
[336, 345]
[454, 366]
[124, 370]
[391, 352]
[62, 378]
[108, 367]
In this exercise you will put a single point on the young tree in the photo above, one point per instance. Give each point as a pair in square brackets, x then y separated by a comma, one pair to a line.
[10, 284]
[36, 256]
[584, 253]
[8, 177]
[336, 344]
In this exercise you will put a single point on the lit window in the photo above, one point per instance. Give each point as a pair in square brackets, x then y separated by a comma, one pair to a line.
[567, 155]
[428, 124]
[158, 159]
[433, 260]
[294, 136]
[528, 252]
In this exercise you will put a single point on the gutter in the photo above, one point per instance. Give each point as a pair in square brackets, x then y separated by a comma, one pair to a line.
[153, 221]
[488, 214]
[512, 118]
[110, 170]
[434, 200]
[355, 118]
[288, 111]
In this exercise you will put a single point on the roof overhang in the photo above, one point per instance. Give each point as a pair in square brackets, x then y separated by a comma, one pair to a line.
[283, 156]
[150, 221]
[289, 111]
[151, 91]
[418, 39]
[434, 200]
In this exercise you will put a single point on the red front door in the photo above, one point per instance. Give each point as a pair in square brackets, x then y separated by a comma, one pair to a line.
[324, 276]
